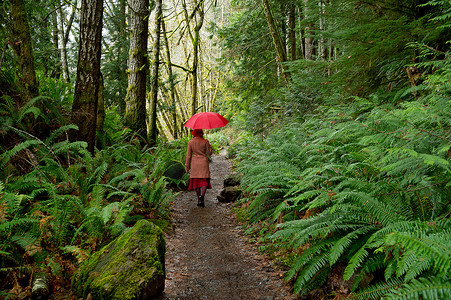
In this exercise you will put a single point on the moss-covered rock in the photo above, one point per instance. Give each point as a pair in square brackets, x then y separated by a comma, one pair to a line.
[130, 267]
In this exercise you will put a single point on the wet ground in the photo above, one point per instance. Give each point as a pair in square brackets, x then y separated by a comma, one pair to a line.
[209, 257]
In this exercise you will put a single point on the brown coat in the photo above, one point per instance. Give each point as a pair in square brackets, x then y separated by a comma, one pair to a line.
[197, 158]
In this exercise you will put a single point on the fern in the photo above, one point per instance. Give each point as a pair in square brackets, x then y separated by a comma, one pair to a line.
[372, 181]
[423, 288]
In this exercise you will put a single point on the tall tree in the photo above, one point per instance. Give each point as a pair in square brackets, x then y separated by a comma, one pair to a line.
[309, 40]
[135, 110]
[84, 108]
[197, 15]
[115, 53]
[292, 31]
[171, 81]
[153, 132]
[64, 38]
[22, 45]
[276, 38]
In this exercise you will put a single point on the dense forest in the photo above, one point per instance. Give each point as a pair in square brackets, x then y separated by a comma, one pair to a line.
[340, 129]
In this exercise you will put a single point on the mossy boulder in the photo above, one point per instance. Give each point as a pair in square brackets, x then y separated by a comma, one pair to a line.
[130, 267]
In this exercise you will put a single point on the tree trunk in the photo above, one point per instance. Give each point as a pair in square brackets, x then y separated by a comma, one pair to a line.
[84, 108]
[309, 33]
[21, 43]
[63, 50]
[123, 49]
[277, 40]
[100, 136]
[155, 74]
[55, 34]
[171, 82]
[198, 16]
[292, 31]
[322, 43]
[135, 110]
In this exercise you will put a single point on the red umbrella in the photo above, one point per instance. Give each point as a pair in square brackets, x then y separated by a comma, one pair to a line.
[206, 120]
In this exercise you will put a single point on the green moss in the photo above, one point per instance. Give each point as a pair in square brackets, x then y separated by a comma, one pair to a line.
[122, 268]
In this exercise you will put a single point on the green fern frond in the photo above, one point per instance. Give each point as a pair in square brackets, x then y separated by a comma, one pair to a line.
[5, 157]
[424, 248]
[355, 262]
[422, 288]
[343, 244]
[56, 133]
[317, 265]
[26, 240]
[377, 291]
[17, 222]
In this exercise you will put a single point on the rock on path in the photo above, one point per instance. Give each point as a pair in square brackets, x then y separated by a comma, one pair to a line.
[208, 257]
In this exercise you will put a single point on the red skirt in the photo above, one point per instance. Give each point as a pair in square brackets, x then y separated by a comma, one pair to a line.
[199, 182]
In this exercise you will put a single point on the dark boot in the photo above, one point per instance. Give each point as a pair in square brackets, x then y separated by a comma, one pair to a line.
[201, 202]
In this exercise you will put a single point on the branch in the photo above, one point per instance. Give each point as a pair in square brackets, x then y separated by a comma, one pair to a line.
[51, 12]
[182, 67]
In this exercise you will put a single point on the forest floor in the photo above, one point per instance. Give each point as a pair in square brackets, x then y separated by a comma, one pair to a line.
[209, 257]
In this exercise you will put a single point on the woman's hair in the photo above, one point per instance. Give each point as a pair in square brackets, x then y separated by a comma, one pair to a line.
[198, 132]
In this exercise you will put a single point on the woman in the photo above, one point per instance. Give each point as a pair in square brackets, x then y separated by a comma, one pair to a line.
[199, 149]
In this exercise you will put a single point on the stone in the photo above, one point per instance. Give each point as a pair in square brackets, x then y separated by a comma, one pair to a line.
[174, 170]
[232, 180]
[131, 267]
[174, 174]
[229, 194]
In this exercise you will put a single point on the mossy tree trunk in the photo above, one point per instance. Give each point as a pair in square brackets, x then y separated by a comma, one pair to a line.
[292, 31]
[64, 38]
[123, 49]
[309, 40]
[153, 132]
[276, 38]
[84, 108]
[100, 136]
[198, 16]
[135, 109]
[21, 43]
[171, 82]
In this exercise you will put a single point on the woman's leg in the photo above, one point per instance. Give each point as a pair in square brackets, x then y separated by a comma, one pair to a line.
[203, 190]
[201, 202]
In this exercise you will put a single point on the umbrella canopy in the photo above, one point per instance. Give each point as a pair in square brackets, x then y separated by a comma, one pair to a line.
[206, 120]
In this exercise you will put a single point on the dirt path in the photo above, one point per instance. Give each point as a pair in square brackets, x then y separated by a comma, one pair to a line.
[209, 258]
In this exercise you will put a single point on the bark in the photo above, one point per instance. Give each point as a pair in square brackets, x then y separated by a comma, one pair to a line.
[276, 38]
[155, 74]
[123, 49]
[100, 136]
[55, 33]
[309, 33]
[84, 108]
[173, 122]
[292, 31]
[135, 109]
[21, 43]
[198, 16]
[63, 50]
[322, 44]
[40, 288]
[301, 52]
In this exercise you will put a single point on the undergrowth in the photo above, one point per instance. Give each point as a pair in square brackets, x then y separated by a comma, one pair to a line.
[59, 203]
[365, 185]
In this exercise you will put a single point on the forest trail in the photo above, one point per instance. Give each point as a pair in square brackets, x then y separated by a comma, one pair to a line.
[207, 255]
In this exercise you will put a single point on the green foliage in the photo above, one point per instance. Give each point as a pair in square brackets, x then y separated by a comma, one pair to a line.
[71, 201]
[366, 184]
